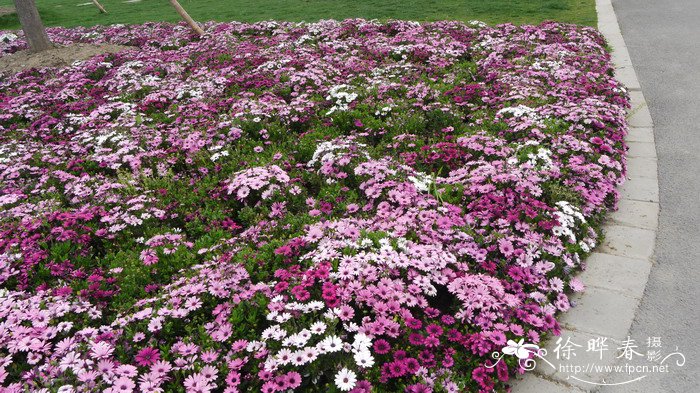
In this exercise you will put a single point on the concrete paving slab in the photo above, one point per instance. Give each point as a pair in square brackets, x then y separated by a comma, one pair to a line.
[640, 117]
[638, 214]
[640, 134]
[640, 189]
[641, 149]
[531, 383]
[625, 275]
[628, 242]
[642, 167]
[601, 311]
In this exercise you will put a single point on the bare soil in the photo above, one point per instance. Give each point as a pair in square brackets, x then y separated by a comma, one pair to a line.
[7, 11]
[59, 56]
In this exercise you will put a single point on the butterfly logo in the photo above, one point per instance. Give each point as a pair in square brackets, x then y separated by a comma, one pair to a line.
[519, 349]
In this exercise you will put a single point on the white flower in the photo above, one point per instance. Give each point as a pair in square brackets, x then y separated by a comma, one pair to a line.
[305, 334]
[9, 37]
[365, 243]
[362, 342]
[567, 215]
[255, 346]
[273, 332]
[284, 356]
[332, 150]
[218, 155]
[421, 181]
[342, 98]
[518, 111]
[310, 354]
[364, 359]
[318, 327]
[584, 246]
[330, 315]
[66, 389]
[299, 358]
[332, 344]
[345, 380]
[315, 305]
[284, 317]
[298, 340]
[270, 364]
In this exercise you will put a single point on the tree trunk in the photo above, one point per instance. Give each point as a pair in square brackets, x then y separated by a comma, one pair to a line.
[99, 6]
[32, 26]
[186, 17]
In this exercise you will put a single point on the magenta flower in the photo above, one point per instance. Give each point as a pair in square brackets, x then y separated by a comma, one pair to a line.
[397, 369]
[418, 388]
[147, 356]
[416, 339]
[381, 346]
[412, 365]
[434, 329]
[413, 323]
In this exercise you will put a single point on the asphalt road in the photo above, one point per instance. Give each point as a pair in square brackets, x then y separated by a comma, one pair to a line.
[663, 38]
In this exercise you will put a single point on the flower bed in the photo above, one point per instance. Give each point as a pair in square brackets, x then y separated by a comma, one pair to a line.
[338, 206]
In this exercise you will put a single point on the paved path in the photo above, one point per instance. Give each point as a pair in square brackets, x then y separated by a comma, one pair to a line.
[663, 39]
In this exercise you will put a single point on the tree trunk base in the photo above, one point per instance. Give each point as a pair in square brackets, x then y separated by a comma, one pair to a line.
[32, 25]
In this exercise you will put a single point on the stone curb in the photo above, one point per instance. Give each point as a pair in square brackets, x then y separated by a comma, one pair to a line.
[617, 272]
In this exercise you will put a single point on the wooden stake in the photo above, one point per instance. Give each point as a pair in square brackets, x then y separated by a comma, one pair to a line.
[99, 6]
[186, 17]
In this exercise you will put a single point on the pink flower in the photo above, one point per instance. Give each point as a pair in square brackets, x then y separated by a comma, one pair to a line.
[346, 313]
[101, 350]
[197, 383]
[293, 380]
[149, 257]
[123, 385]
[576, 285]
